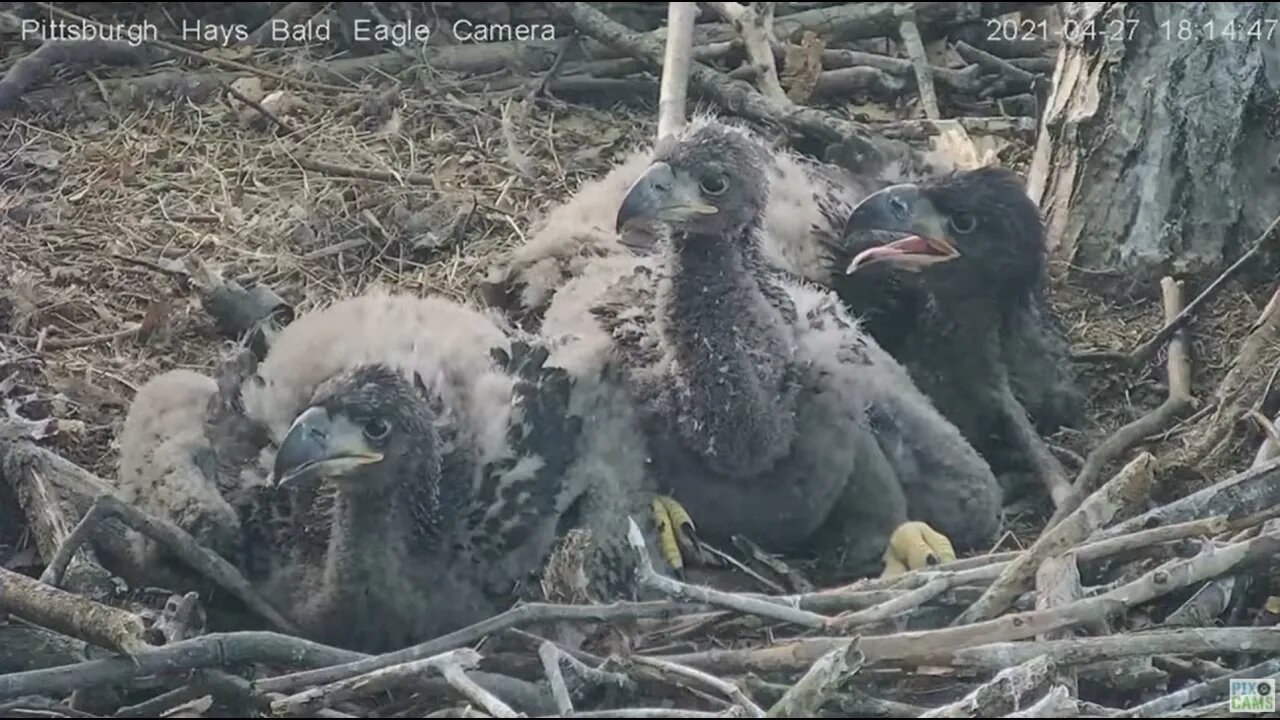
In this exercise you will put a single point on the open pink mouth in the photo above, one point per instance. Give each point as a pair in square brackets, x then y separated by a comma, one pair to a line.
[910, 251]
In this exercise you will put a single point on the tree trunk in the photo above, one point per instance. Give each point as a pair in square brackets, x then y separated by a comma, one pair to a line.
[1158, 153]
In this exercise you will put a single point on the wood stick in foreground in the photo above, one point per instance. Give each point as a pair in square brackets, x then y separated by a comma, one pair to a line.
[381, 680]
[826, 676]
[920, 644]
[70, 614]
[742, 603]
[1128, 486]
[1003, 694]
[1057, 703]
[213, 650]
[520, 615]
[728, 689]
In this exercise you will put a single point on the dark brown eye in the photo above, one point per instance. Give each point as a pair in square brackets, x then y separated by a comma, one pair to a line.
[714, 184]
[376, 429]
[963, 223]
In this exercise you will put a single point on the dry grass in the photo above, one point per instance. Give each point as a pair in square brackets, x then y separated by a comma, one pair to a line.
[98, 211]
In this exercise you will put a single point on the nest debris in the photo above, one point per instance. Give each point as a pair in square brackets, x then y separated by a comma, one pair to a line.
[130, 201]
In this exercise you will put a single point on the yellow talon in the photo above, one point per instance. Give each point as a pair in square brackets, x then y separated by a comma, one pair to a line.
[675, 532]
[915, 545]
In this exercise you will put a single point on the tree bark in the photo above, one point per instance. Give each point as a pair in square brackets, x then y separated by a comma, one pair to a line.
[1159, 147]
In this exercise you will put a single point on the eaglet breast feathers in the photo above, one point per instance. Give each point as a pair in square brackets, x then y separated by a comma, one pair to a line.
[394, 468]
[763, 408]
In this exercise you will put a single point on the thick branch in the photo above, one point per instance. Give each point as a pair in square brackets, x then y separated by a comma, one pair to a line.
[724, 687]
[1253, 491]
[797, 655]
[825, 677]
[1057, 584]
[370, 683]
[70, 614]
[1003, 694]
[215, 650]
[1129, 485]
[49, 488]
[522, 615]
[1017, 626]
[1161, 707]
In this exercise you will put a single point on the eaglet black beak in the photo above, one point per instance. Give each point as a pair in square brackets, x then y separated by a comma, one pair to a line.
[661, 193]
[320, 444]
[903, 209]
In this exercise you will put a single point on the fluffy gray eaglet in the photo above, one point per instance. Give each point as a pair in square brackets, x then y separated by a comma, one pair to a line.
[762, 408]
[803, 219]
[395, 467]
[973, 323]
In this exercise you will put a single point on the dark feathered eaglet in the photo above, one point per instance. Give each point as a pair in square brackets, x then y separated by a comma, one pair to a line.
[762, 407]
[396, 467]
[961, 301]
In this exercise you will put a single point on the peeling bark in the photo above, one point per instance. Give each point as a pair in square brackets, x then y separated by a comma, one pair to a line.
[1159, 152]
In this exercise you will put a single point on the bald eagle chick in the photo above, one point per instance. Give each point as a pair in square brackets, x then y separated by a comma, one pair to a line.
[416, 466]
[762, 407]
[803, 219]
[979, 337]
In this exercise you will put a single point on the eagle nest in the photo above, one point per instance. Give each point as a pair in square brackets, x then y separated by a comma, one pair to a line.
[146, 221]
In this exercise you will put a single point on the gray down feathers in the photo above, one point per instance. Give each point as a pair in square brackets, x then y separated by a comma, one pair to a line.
[448, 546]
[842, 446]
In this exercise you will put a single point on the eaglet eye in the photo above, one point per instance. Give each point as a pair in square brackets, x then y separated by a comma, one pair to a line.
[376, 429]
[715, 184]
[963, 223]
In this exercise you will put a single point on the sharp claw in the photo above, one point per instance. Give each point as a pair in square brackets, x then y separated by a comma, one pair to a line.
[915, 545]
[676, 533]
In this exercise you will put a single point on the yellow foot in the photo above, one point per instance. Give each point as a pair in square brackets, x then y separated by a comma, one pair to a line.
[676, 534]
[915, 545]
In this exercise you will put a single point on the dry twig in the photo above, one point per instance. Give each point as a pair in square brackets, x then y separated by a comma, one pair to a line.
[1161, 581]
[522, 615]
[1148, 349]
[831, 672]
[728, 689]
[650, 577]
[1163, 706]
[457, 678]
[1003, 694]
[380, 680]
[214, 650]
[1158, 420]
[199, 558]
[1129, 485]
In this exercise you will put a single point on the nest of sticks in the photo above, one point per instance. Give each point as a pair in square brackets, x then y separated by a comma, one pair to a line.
[164, 200]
